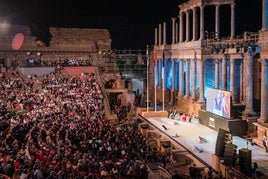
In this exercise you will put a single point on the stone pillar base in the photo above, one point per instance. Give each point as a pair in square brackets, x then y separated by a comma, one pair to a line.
[251, 127]
[249, 113]
[261, 127]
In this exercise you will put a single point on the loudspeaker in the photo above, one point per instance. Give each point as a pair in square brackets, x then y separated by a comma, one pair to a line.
[230, 154]
[164, 127]
[220, 143]
[245, 162]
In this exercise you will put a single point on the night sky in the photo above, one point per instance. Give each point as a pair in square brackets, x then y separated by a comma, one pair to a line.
[131, 23]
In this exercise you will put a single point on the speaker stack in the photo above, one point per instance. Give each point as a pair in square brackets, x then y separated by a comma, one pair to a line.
[245, 162]
[230, 155]
[220, 143]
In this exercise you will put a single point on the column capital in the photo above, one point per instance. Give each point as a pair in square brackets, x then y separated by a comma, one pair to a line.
[225, 56]
[250, 53]
[187, 60]
[216, 61]
[193, 59]
[232, 60]
[202, 6]
[173, 18]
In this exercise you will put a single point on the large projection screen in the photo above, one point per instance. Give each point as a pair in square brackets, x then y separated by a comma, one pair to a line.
[219, 102]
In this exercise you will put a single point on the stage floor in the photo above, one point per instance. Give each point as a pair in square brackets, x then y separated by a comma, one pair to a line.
[187, 134]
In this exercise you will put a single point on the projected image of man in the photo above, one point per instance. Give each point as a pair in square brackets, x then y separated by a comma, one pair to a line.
[217, 108]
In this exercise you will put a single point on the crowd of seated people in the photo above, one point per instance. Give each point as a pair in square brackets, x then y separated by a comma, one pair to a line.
[75, 62]
[60, 130]
[185, 117]
[51, 63]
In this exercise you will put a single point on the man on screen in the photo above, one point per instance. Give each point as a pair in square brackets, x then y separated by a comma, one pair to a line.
[217, 106]
[226, 104]
[218, 101]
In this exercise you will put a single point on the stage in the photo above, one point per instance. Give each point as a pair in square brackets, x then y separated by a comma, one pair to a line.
[188, 134]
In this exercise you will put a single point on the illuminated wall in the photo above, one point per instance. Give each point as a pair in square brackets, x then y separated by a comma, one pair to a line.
[176, 74]
[168, 74]
[210, 75]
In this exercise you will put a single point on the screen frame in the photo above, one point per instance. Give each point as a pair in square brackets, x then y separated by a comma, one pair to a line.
[219, 103]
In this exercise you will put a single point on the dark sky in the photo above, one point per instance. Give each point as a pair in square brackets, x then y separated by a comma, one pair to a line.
[131, 23]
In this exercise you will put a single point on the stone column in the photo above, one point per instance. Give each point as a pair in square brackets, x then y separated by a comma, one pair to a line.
[201, 22]
[232, 20]
[217, 21]
[193, 78]
[264, 15]
[264, 91]
[224, 73]
[241, 82]
[173, 30]
[201, 80]
[155, 37]
[187, 78]
[159, 73]
[173, 74]
[181, 27]
[164, 33]
[187, 26]
[217, 73]
[176, 34]
[194, 24]
[249, 83]
[164, 74]
[173, 82]
[232, 80]
[181, 77]
[160, 34]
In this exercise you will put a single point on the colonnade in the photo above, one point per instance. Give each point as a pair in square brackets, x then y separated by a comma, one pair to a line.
[183, 31]
[244, 95]
[198, 28]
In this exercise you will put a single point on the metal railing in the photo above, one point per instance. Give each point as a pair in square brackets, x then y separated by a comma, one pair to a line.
[246, 40]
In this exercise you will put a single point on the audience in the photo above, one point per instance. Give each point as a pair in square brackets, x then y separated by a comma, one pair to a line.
[56, 127]
[60, 130]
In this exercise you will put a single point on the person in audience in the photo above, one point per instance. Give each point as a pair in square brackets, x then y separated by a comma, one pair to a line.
[175, 175]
